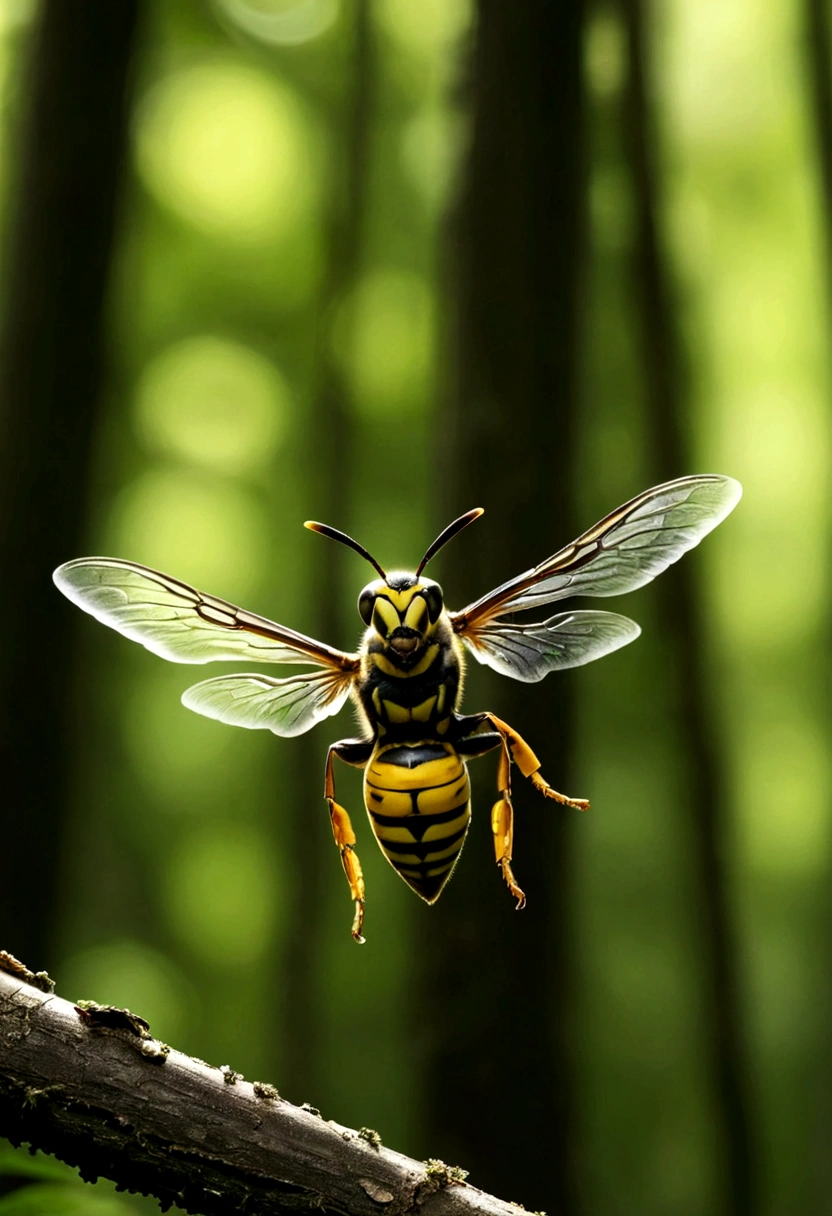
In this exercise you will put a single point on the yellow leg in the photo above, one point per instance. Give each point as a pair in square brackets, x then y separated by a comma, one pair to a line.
[344, 835]
[528, 763]
[502, 826]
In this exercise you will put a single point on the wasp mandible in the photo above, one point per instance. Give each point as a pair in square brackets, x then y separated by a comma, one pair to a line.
[405, 678]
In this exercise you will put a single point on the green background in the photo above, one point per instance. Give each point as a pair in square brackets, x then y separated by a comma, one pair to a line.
[195, 858]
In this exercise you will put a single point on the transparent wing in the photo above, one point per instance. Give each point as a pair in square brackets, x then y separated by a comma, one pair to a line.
[620, 553]
[530, 652]
[182, 624]
[286, 707]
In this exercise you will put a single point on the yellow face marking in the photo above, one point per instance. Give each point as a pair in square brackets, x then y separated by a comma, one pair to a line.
[401, 599]
[385, 617]
[416, 616]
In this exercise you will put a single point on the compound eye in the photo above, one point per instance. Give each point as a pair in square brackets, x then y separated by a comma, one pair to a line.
[366, 602]
[434, 600]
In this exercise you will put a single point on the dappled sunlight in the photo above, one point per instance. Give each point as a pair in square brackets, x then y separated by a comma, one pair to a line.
[300, 220]
[385, 338]
[780, 434]
[427, 27]
[213, 402]
[186, 764]
[206, 531]
[605, 54]
[229, 149]
[723, 69]
[771, 588]
[221, 893]
[133, 975]
[610, 207]
[772, 596]
[785, 823]
[430, 153]
[280, 22]
[14, 14]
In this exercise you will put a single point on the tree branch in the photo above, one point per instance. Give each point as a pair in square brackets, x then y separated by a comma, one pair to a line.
[90, 1085]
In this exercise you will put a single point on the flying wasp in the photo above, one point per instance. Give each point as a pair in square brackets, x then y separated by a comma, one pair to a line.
[406, 677]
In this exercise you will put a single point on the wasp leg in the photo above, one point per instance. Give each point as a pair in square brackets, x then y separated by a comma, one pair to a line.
[525, 759]
[355, 752]
[471, 746]
[476, 744]
[502, 825]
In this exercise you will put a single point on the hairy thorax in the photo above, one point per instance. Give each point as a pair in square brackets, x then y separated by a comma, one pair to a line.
[411, 697]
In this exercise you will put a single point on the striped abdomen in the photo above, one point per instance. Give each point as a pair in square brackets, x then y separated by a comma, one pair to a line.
[418, 800]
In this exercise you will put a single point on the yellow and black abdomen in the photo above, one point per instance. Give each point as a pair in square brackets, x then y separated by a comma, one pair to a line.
[418, 798]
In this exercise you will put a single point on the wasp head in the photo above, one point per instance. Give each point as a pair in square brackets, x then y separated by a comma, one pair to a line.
[403, 611]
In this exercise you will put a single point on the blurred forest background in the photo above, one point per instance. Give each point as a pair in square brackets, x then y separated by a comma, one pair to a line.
[376, 262]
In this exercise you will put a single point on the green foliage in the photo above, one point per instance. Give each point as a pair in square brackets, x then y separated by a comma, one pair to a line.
[42, 1186]
[20, 1163]
[58, 1199]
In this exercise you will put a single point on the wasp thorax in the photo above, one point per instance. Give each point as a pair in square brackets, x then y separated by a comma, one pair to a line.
[402, 610]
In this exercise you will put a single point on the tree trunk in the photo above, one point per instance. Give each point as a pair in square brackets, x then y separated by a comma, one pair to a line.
[51, 367]
[497, 991]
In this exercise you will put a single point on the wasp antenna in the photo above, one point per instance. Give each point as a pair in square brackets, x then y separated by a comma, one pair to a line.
[449, 532]
[334, 534]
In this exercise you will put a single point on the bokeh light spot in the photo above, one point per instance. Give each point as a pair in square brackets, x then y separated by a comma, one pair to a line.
[15, 13]
[189, 763]
[610, 208]
[213, 402]
[785, 825]
[228, 149]
[605, 58]
[220, 894]
[136, 977]
[206, 531]
[430, 151]
[384, 335]
[426, 26]
[280, 22]
[771, 589]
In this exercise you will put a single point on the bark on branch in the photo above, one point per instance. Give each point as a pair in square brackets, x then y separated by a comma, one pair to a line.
[92, 1087]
